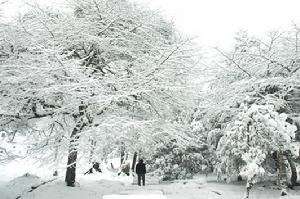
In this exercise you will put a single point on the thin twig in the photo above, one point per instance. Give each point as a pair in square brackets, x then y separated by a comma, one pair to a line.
[234, 62]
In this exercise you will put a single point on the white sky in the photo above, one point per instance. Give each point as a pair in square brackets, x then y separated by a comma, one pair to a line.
[216, 21]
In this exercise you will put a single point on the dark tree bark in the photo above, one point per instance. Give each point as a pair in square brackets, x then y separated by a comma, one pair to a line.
[281, 170]
[13, 136]
[93, 146]
[96, 167]
[134, 161]
[72, 156]
[122, 153]
[293, 169]
[249, 186]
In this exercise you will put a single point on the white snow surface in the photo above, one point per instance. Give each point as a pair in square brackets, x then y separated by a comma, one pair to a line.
[150, 196]
[108, 185]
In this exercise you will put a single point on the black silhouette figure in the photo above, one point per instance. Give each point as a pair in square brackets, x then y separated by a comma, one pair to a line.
[140, 170]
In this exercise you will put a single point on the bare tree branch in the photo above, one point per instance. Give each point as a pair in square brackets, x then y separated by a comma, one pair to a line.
[234, 62]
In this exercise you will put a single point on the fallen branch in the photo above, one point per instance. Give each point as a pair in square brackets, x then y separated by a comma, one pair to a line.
[216, 192]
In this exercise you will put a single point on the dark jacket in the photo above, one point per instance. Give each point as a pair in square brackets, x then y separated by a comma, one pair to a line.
[140, 168]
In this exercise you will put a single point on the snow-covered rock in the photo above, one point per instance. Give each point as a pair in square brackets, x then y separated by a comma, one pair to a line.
[19, 186]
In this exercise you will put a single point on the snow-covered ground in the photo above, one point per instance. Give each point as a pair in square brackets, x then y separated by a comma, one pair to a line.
[110, 186]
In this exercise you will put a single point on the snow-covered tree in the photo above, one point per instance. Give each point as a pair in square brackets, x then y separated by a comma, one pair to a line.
[260, 72]
[110, 68]
[173, 161]
[256, 133]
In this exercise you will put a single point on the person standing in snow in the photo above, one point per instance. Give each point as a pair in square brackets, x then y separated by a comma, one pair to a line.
[140, 170]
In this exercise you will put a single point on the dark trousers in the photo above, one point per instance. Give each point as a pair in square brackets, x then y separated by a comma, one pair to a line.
[141, 177]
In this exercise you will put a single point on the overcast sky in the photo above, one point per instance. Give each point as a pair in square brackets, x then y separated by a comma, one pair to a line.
[216, 21]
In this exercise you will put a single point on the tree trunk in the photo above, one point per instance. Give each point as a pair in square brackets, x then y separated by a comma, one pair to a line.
[293, 169]
[134, 161]
[72, 156]
[93, 146]
[13, 136]
[122, 153]
[56, 160]
[281, 170]
[55, 173]
[249, 187]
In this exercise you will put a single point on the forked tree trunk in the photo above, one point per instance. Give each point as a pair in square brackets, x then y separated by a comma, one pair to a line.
[134, 161]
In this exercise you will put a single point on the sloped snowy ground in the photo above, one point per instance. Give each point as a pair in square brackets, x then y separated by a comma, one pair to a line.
[18, 186]
[89, 187]
[110, 186]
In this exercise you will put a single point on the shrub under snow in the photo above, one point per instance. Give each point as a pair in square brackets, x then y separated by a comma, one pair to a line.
[257, 132]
